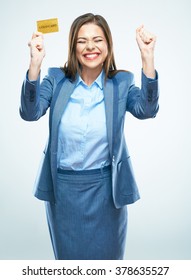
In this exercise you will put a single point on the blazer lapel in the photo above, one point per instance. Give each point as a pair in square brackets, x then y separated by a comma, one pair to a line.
[108, 97]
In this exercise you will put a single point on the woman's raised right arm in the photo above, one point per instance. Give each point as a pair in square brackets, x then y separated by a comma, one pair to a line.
[36, 96]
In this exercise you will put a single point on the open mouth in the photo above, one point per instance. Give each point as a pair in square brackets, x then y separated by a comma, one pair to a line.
[91, 56]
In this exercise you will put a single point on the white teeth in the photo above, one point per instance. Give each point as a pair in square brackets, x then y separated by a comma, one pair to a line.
[91, 55]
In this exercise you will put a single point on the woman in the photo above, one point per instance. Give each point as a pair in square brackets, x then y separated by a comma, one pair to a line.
[86, 177]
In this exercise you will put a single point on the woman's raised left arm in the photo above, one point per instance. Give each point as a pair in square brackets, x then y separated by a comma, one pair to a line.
[146, 43]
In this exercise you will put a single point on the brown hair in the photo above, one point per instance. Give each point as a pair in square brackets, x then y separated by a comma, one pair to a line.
[72, 66]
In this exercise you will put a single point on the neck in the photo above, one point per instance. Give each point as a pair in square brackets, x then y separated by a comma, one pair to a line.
[89, 76]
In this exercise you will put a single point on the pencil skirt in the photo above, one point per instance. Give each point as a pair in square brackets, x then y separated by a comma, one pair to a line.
[83, 222]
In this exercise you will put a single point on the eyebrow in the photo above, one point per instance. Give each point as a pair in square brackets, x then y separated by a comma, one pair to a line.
[85, 38]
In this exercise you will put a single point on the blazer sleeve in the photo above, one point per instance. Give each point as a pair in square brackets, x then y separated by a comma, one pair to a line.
[36, 97]
[143, 102]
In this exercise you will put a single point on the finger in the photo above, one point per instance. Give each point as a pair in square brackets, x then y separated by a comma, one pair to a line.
[138, 35]
[37, 39]
[146, 36]
[139, 32]
[34, 43]
[37, 34]
[139, 28]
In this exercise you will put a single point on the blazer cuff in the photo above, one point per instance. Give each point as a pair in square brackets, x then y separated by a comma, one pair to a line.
[150, 79]
[150, 85]
[32, 82]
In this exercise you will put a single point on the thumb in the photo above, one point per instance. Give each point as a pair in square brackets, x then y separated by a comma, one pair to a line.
[139, 28]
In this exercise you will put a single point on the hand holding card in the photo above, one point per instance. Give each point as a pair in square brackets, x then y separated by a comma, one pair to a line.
[36, 45]
[37, 52]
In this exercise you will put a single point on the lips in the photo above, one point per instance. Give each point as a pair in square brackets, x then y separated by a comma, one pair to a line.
[91, 56]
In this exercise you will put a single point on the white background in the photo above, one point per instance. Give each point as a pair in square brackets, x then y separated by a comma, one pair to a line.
[160, 223]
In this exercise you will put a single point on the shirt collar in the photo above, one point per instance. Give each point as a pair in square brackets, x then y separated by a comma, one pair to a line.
[98, 81]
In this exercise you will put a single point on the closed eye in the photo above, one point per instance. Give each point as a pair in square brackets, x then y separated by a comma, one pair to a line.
[85, 41]
[98, 40]
[81, 41]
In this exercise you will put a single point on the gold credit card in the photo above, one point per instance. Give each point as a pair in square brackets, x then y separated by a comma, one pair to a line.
[47, 25]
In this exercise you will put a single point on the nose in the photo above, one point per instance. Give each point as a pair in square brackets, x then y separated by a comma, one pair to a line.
[90, 45]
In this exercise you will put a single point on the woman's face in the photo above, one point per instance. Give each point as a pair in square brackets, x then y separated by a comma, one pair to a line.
[91, 49]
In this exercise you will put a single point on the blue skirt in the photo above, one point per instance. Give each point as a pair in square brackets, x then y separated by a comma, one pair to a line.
[84, 223]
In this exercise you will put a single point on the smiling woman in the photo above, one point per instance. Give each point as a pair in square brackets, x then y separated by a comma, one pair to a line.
[86, 178]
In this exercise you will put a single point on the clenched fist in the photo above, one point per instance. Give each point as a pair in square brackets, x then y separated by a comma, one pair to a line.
[37, 52]
[36, 45]
[146, 41]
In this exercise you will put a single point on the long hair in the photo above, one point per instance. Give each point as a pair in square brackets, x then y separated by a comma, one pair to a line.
[72, 66]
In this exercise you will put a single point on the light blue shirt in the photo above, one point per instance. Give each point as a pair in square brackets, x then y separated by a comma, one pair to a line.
[82, 138]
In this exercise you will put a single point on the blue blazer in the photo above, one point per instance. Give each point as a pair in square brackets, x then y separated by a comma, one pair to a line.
[120, 95]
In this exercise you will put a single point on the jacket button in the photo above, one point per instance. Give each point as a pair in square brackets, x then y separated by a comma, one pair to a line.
[150, 95]
[32, 96]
